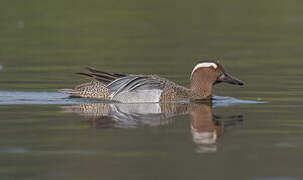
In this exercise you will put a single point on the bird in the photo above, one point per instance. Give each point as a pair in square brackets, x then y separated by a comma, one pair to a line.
[132, 88]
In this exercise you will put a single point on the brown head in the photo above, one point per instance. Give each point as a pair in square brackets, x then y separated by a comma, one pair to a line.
[206, 74]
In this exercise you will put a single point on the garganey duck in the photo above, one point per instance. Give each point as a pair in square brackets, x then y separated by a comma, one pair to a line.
[130, 88]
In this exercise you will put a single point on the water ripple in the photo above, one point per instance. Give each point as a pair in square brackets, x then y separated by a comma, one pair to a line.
[8, 97]
[228, 101]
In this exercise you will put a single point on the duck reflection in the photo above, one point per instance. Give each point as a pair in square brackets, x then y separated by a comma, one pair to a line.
[206, 127]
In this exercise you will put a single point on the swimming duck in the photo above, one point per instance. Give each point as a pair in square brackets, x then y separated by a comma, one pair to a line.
[129, 88]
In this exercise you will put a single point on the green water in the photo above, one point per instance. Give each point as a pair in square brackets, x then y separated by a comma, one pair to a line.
[42, 43]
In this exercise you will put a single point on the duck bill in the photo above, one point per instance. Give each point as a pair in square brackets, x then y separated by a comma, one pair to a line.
[229, 79]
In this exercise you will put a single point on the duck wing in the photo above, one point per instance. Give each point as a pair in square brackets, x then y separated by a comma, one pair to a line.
[128, 88]
[134, 88]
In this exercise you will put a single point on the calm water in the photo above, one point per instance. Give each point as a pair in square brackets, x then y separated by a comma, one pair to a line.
[46, 135]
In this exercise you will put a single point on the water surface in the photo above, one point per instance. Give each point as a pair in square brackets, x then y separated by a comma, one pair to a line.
[46, 135]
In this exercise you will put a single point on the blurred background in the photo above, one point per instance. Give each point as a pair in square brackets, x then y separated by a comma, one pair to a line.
[43, 43]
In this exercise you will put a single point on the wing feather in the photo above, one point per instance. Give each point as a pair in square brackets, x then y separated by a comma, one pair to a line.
[134, 83]
[101, 76]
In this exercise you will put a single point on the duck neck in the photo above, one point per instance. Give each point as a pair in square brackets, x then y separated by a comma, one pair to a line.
[201, 85]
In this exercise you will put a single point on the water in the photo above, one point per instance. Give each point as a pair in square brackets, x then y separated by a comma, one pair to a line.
[252, 132]
[39, 98]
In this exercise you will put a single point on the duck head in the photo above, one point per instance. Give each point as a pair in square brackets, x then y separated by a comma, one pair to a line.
[207, 74]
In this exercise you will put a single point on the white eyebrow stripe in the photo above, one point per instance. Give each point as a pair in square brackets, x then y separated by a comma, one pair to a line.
[204, 64]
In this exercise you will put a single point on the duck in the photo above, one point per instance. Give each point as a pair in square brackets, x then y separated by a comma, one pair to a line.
[138, 88]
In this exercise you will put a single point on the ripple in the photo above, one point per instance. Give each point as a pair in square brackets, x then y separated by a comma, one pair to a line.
[15, 150]
[10, 97]
[229, 101]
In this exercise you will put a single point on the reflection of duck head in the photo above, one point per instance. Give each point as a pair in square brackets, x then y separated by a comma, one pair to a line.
[205, 127]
